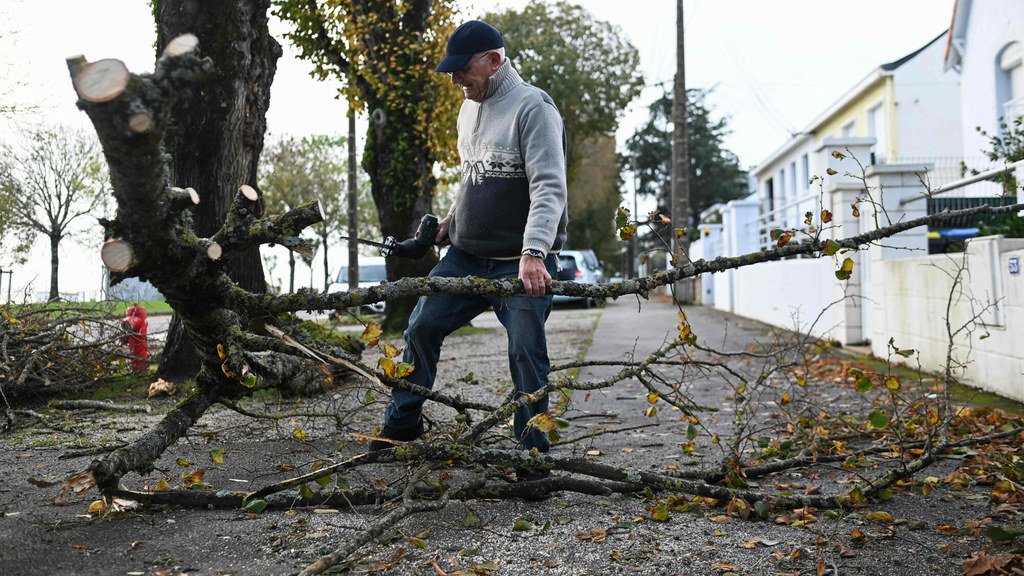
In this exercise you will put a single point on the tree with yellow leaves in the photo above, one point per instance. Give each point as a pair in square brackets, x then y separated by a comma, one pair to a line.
[385, 51]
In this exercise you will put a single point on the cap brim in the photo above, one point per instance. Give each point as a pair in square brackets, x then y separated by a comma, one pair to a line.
[452, 62]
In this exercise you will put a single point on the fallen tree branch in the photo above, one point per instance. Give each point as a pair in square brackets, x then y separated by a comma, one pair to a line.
[355, 497]
[98, 405]
[380, 525]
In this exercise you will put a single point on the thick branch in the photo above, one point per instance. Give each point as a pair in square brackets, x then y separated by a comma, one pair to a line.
[140, 455]
[642, 286]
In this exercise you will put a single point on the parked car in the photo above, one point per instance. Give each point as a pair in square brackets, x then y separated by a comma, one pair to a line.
[372, 272]
[580, 266]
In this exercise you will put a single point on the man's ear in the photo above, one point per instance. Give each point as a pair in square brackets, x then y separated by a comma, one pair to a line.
[494, 59]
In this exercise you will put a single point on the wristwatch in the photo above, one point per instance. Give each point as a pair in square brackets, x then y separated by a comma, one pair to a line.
[534, 253]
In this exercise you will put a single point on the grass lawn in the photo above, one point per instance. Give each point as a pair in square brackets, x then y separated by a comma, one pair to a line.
[111, 307]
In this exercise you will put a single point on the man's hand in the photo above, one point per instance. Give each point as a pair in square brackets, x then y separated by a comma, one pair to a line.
[441, 239]
[534, 275]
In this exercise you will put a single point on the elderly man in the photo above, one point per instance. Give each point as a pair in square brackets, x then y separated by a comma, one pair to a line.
[508, 221]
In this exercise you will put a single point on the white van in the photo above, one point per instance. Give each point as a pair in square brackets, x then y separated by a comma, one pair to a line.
[309, 274]
[372, 272]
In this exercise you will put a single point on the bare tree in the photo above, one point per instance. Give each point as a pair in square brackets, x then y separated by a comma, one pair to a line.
[56, 178]
[297, 170]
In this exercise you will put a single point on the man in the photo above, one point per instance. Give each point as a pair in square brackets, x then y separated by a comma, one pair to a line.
[508, 221]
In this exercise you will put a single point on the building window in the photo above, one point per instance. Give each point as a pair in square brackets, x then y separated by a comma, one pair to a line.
[783, 192]
[792, 179]
[1010, 82]
[876, 130]
[850, 129]
[805, 172]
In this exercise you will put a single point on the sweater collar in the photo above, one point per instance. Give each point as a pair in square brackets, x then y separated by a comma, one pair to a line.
[504, 79]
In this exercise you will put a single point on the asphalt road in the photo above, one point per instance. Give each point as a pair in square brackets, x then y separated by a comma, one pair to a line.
[567, 534]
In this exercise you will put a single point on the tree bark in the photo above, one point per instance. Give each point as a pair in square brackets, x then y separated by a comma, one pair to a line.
[398, 209]
[401, 173]
[216, 134]
[399, 155]
[353, 205]
[324, 236]
[291, 271]
[54, 265]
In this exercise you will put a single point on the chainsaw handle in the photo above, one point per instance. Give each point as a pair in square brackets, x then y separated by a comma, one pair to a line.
[416, 247]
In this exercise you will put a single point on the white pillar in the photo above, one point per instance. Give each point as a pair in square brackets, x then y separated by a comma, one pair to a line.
[847, 294]
[711, 242]
[891, 186]
[739, 236]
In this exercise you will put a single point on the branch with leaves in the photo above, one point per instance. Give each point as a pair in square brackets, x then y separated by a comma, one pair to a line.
[244, 341]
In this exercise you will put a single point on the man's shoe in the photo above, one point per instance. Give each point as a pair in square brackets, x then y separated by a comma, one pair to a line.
[395, 435]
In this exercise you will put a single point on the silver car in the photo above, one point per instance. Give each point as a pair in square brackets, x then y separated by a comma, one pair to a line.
[580, 266]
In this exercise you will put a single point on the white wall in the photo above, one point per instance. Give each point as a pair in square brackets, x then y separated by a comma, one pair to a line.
[790, 294]
[927, 108]
[896, 291]
[912, 311]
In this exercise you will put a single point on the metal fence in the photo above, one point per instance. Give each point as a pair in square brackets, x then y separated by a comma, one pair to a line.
[947, 169]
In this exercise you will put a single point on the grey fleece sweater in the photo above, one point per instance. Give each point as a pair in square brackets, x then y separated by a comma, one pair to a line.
[513, 194]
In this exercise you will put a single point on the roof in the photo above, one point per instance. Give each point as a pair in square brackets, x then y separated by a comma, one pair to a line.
[897, 63]
[949, 33]
[954, 36]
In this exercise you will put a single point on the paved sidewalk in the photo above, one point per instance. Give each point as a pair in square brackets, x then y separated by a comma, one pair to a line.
[630, 324]
[569, 534]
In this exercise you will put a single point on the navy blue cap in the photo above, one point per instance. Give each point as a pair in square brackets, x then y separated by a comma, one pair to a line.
[470, 38]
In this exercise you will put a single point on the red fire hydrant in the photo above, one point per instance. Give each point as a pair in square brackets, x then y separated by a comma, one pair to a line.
[136, 326]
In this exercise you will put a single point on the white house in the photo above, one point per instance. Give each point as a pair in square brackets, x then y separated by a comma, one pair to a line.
[912, 118]
[983, 51]
[905, 111]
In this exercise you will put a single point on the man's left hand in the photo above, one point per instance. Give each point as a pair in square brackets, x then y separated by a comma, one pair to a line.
[534, 275]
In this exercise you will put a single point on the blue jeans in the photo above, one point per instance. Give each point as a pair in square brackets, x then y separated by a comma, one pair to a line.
[435, 317]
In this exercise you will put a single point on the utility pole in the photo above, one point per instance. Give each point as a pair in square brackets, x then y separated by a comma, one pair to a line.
[353, 204]
[680, 164]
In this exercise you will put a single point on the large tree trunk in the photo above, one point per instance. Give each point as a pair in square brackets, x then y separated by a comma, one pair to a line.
[216, 135]
[291, 271]
[402, 191]
[54, 265]
[398, 88]
[324, 237]
[400, 169]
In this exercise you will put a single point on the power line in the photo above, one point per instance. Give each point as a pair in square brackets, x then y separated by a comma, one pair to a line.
[767, 111]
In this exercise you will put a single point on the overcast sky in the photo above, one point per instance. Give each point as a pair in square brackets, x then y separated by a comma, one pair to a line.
[774, 66]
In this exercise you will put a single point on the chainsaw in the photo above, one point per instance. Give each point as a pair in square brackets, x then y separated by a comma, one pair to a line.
[412, 248]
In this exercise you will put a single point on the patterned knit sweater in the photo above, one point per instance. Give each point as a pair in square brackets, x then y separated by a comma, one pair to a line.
[513, 193]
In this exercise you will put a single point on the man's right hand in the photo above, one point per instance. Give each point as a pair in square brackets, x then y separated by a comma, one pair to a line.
[441, 239]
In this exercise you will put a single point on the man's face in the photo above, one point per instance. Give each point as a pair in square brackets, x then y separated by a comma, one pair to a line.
[472, 77]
